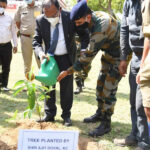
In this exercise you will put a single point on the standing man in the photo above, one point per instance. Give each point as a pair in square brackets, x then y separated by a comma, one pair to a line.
[25, 21]
[7, 33]
[143, 77]
[104, 35]
[131, 36]
[57, 31]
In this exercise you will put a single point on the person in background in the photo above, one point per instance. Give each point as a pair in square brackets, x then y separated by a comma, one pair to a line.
[81, 75]
[131, 37]
[25, 20]
[57, 31]
[7, 33]
[143, 77]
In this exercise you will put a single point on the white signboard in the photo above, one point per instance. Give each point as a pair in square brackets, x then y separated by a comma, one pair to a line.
[47, 140]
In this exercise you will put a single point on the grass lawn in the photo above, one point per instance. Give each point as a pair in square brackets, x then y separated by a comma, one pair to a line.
[84, 105]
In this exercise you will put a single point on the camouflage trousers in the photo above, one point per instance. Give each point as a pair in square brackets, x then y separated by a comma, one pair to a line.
[83, 74]
[107, 85]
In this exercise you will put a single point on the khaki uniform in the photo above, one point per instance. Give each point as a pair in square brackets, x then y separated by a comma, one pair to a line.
[146, 18]
[145, 71]
[145, 82]
[26, 16]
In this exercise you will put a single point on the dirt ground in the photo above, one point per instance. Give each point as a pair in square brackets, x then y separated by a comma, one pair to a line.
[9, 139]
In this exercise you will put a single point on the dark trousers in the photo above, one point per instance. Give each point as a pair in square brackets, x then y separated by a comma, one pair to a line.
[66, 91]
[5, 60]
[138, 117]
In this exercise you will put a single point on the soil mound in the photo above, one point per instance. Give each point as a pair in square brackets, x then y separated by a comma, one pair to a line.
[9, 139]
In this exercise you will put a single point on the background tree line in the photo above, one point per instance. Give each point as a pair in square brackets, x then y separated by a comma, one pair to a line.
[110, 6]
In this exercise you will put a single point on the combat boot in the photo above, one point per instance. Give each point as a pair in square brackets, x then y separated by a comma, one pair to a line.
[103, 128]
[79, 87]
[94, 118]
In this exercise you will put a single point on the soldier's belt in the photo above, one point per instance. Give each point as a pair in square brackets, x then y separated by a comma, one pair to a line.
[26, 35]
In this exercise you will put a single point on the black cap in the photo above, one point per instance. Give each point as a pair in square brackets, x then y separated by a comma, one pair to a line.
[79, 10]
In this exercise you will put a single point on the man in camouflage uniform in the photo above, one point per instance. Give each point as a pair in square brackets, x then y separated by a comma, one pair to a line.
[25, 21]
[105, 31]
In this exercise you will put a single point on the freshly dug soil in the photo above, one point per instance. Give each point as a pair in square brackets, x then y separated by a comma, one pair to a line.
[9, 139]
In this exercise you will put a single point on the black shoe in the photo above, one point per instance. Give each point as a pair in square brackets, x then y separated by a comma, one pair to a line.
[46, 119]
[128, 141]
[78, 90]
[92, 119]
[67, 122]
[102, 129]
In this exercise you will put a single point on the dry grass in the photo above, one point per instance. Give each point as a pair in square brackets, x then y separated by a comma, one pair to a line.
[84, 105]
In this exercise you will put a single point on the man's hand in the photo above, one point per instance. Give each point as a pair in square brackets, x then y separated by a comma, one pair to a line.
[138, 78]
[62, 75]
[15, 50]
[44, 57]
[123, 68]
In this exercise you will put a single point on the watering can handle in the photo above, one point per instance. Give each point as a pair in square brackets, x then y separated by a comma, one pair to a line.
[44, 62]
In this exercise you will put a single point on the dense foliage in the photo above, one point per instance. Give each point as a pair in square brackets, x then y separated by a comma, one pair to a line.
[96, 5]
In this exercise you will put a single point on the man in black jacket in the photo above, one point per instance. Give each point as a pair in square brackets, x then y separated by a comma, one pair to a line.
[131, 37]
[56, 24]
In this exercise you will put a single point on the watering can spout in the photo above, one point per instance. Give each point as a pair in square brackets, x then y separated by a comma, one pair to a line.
[42, 78]
[48, 72]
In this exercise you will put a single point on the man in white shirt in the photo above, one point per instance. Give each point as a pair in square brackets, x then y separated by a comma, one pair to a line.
[7, 33]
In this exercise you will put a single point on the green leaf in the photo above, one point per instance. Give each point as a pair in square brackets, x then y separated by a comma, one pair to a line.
[19, 83]
[31, 97]
[18, 90]
[40, 90]
[38, 109]
[45, 88]
[13, 117]
[30, 113]
[25, 113]
[42, 97]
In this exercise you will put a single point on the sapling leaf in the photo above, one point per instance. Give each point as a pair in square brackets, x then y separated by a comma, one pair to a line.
[19, 83]
[18, 90]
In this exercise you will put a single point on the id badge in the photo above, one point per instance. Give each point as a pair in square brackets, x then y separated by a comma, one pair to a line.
[36, 13]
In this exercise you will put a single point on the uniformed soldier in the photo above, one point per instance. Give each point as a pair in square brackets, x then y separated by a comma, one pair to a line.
[25, 21]
[105, 33]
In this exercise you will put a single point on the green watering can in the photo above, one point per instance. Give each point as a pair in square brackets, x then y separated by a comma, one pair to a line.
[48, 72]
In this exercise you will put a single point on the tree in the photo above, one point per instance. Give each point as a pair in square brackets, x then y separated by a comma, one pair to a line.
[109, 6]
